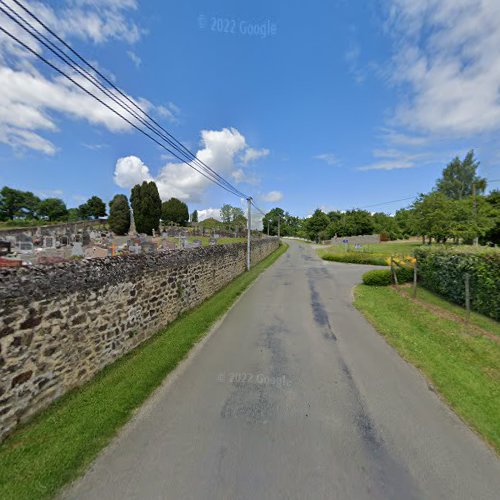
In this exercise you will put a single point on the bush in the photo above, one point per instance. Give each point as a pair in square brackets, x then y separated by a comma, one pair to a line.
[377, 277]
[356, 258]
[404, 274]
[443, 271]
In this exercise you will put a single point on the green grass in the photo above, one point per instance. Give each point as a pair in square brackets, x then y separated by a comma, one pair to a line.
[464, 369]
[477, 319]
[57, 446]
[375, 254]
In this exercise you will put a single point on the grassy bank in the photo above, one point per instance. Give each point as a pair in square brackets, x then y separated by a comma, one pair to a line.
[54, 448]
[375, 254]
[463, 367]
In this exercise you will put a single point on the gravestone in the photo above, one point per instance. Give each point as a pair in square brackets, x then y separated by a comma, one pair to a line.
[196, 243]
[148, 247]
[77, 250]
[49, 242]
[26, 246]
[5, 247]
[213, 241]
[85, 239]
[135, 249]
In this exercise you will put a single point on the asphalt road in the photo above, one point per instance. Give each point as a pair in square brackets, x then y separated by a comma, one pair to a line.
[294, 395]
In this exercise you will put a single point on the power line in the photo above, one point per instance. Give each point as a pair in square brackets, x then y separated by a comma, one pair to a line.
[210, 174]
[131, 101]
[388, 202]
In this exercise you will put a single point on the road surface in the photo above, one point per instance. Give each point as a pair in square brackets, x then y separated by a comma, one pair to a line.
[294, 396]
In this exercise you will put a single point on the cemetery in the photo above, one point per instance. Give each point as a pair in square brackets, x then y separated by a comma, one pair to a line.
[93, 240]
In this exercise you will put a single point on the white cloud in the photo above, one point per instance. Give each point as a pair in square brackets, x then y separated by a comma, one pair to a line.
[272, 196]
[329, 158]
[447, 58]
[220, 150]
[30, 102]
[134, 58]
[392, 159]
[254, 154]
[130, 171]
[51, 193]
[169, 111]
[209, 213]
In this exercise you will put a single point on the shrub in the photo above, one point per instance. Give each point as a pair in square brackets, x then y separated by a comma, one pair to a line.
[404, 274]
[443, 271]
[356, 258]
[377, 277]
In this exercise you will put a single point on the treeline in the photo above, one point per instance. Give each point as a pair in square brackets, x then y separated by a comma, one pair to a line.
[456, 209]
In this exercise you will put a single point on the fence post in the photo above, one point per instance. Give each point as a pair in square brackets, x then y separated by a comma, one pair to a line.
[467, 298]
[415, 278]
[394, 273]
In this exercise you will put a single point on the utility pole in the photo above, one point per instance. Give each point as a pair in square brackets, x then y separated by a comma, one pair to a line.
[474, 199]
[249, 228]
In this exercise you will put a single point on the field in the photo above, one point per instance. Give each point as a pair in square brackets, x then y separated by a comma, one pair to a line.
[462, 361]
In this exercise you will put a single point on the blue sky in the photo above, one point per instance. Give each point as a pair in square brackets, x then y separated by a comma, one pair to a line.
[344, 104]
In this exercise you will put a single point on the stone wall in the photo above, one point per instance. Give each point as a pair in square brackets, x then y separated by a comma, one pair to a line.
[61, 324]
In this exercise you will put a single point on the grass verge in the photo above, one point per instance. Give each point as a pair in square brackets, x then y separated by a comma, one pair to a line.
[57, 446]
[356, 258]
[464, 369]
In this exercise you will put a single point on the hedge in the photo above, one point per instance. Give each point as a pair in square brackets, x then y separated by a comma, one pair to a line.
[357, 258]
[377, 277]
[443, 271]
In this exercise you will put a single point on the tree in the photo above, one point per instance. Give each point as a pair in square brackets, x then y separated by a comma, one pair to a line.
[175, 211]
[493, 235]
[460, 177]
[432, 216]
[146, 204]
[119, 215]
[96, 207]
[194, 216]
[73, 215]
[53, 209]
[83, 211]
[316, 224]
[226, 213]
[15, 203]
[271, 220]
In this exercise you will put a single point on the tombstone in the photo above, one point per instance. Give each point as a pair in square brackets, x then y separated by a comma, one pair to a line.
[49, 242]
[85, 238]
[213, 241]
[148, 247]
[135, 249]
[168, 245]
[64, 240]
[164, 234]
[154, 233]
[77, 250]
[5, 247]
[96, 252]
[196, 243]
[25, 246]
[93, 235]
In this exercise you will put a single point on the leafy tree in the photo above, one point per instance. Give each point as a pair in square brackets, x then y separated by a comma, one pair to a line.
[96, 207]
[119, 215]
[175, 211]
[84, 211]
[53, 209]
[271, 219]
[73, 215]
[432, 215]
[146, 204]
[15, 203]
[226, 213]
[459, 177]
[316, 224]
[493, 235]
[194, 216]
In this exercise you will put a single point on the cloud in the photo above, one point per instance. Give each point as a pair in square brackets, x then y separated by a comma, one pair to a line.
[30, 102]
[392, 159]
[209, 213]
[329, 158]
[254, 154]
[448, 62]
[169, 111]
[272, 196]
[221, 150]
[50, 193]
[134, 58]
[130, 171]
